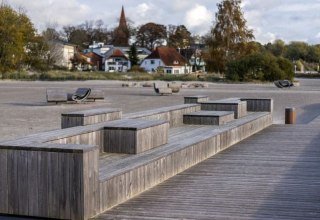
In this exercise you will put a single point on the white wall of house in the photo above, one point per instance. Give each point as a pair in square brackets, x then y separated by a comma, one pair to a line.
[151, 65]
[117, 64]
[177, 69]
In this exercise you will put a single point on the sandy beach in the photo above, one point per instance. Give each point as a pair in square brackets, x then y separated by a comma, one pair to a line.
[24, 109]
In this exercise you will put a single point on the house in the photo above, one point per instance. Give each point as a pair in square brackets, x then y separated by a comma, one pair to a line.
[62, 53]
[195, 57]
[167, 60]
[87, 61]
[116, 61]
[101, 49]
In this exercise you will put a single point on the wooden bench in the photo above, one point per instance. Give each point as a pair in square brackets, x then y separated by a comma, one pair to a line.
[88, 117]
[96, 94]
[232, 104]
[195, 99]
[162, 89]
[56, 95]
[133, 136]
[208, 117]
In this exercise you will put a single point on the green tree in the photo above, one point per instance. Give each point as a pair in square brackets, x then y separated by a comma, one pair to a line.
[133, 55]
[259, 66]
[297, 50]
[277, 48]
[180, 37]
[229, 37]
[16, 31]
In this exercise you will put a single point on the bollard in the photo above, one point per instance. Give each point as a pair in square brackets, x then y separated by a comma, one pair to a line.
[291, 116]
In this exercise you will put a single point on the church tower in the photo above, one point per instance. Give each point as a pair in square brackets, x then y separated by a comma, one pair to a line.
[122, 35]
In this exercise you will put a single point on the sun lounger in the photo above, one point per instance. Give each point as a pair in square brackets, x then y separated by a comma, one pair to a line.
[283, 84]
[81, 94]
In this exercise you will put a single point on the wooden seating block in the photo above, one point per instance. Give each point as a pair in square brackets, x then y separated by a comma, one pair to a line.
[259, 104]
[56, 95]
[88, 117]
[96, 94]
[208, 117]
[165, 91]
[233, 104]
[195, 99]
[133, 136]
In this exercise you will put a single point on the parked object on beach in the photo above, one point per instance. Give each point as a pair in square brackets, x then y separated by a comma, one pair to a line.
[81, 94]
[283, 83]
[56, 95]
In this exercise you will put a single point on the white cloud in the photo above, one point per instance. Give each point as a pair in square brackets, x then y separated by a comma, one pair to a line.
[142, 9]
[199, 19]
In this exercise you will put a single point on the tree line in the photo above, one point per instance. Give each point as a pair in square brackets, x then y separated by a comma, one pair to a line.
[231, 46]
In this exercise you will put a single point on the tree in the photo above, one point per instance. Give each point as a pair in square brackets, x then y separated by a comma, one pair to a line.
[297, 50]
[179, 37]
[133, 55]
[16, 32]
[151, 35]
[277, 48]
[229, 37]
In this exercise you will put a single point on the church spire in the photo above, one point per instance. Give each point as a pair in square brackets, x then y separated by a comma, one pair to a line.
[122, 32]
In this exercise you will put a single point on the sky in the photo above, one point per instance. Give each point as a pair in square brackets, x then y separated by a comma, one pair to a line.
[289, 20]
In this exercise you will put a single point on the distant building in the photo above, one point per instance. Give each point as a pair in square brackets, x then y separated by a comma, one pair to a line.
[104, 51]
[121, 34]
[116, 61]
[167, 60]
[196, 58]
[62, 53]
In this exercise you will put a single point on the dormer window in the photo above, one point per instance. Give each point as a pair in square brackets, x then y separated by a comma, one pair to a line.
[175, 62]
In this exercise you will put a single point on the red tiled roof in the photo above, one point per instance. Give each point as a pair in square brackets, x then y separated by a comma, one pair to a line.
[117, 53]
[169, 56]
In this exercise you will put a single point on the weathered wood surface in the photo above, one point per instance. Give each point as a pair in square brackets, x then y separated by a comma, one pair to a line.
[208, 117]
[195, 99]
[259, 104]
[173, 114]
[271, 175]
[96, 94]
[88, 117]
[56, 95]
[123, 179]
[232, 104]
[49, 183]
[133, 136]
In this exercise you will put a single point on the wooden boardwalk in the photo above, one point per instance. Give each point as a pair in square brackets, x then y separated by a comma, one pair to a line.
[271, 175]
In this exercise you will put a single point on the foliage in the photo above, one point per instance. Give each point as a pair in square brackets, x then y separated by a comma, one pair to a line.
[229, 37]
[151, 35]
[16, 31]
[297, 50]
[277, 48]
[259, 66]
[179, 37]
[133, 55]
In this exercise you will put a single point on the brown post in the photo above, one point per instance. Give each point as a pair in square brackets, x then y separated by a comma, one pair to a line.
[291, 116]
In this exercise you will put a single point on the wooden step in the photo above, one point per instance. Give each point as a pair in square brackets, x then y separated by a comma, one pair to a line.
[88, 117]
[208, 117]
[233, 104]
[133, 136]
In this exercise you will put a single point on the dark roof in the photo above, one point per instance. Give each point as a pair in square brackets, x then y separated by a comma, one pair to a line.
[169, 56]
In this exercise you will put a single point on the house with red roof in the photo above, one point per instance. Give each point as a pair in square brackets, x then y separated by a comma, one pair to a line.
[167, 60]
[116, 61]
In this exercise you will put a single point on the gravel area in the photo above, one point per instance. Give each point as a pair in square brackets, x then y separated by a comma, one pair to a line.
[24, 109]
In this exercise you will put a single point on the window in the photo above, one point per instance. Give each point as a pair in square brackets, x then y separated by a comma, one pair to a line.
[151, 61]
[176, 71]
[168, 71]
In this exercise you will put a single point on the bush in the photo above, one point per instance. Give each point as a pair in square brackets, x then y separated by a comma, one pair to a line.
[259, 66]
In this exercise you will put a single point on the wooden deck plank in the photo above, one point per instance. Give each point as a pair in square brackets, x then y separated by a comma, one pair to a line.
[271, 175]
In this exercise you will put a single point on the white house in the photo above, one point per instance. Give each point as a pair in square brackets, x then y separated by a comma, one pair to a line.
[167, 60]
[116, 61]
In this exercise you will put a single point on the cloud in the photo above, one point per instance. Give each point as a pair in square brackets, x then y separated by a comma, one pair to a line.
[199, 19]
